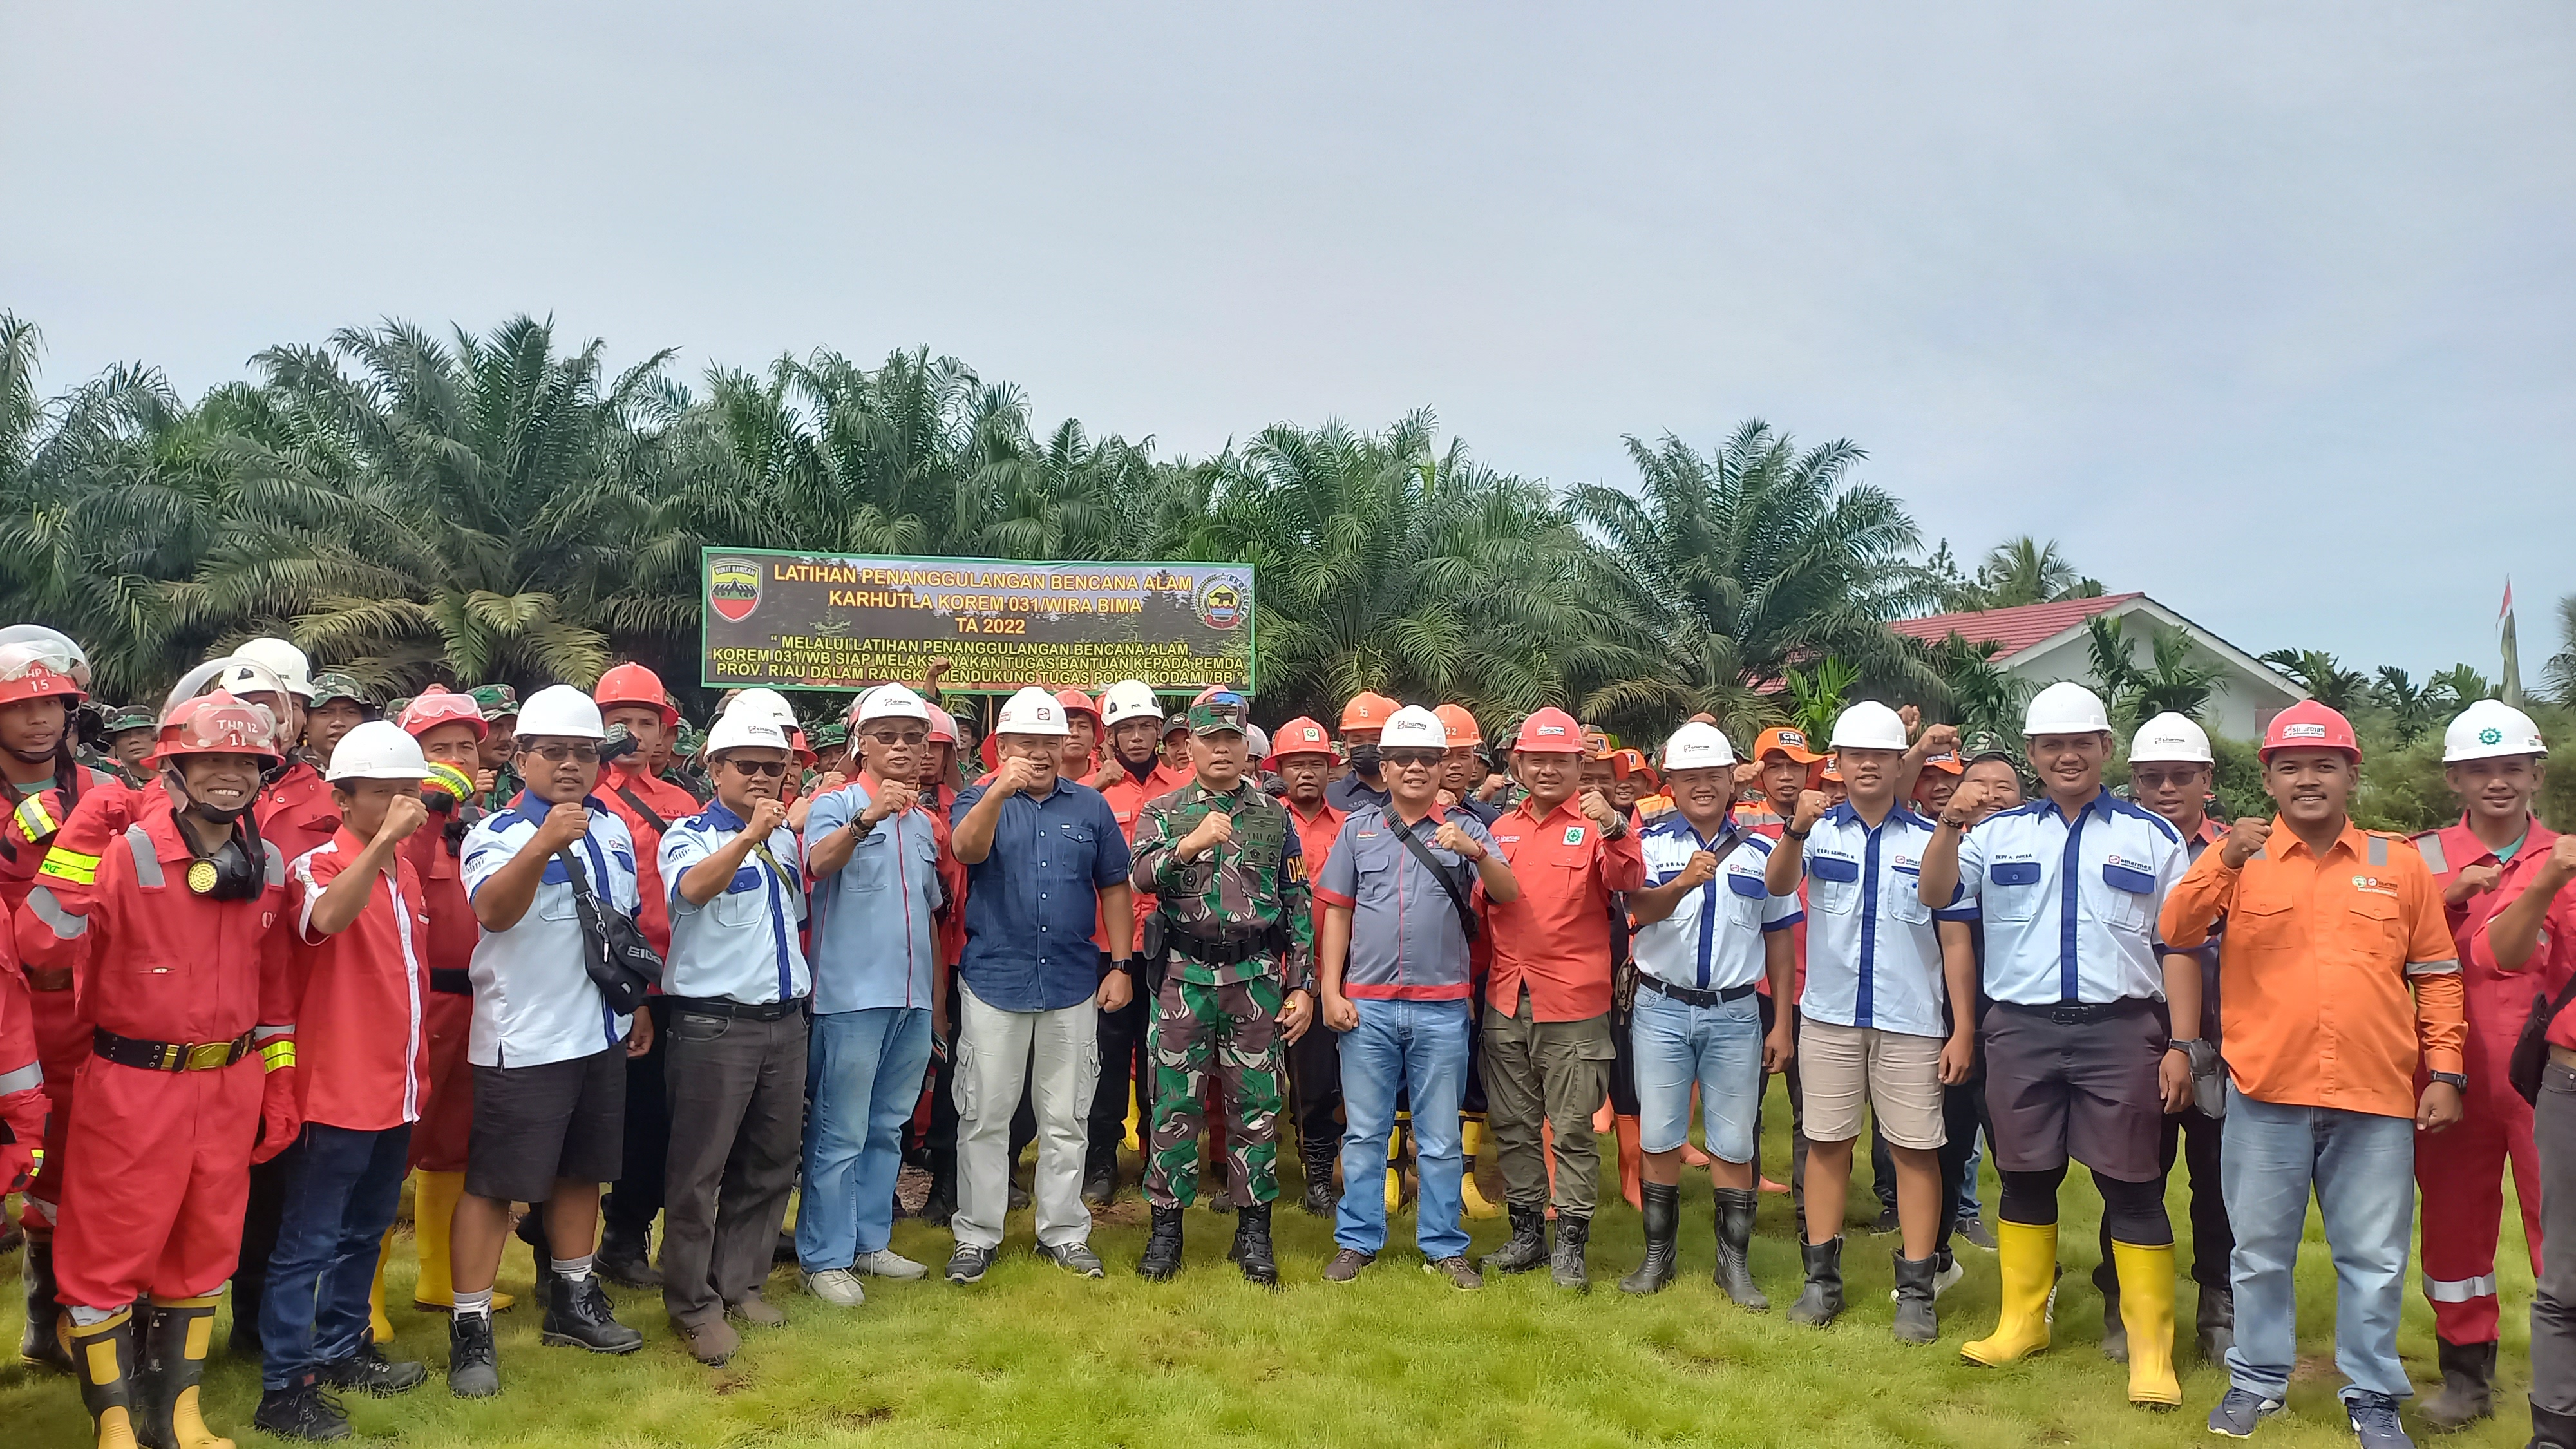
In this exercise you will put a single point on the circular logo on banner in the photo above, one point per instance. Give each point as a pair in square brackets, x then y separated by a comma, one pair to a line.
[733, 588]
[1221, 604]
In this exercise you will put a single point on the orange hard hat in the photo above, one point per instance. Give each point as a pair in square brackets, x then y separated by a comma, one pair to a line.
[1460, 724]
[1550, 731]
[2309, 725]
[1832, 771]
[1077, 702]
[1299, 736]
[633, 684]
[216, 724]
[1624, 763]
[1367, 711]
[1790, 742]
[438, 705]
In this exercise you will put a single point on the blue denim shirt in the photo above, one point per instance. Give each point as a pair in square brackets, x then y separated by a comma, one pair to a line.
[1033, 901]
[872, 917]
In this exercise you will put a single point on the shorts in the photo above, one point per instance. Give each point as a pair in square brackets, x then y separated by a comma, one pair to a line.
[2082, 1089]
[1898, 1075]
[1715, 1048]
[534, 1125]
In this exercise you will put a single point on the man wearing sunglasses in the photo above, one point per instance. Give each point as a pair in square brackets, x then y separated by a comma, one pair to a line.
[874, 854]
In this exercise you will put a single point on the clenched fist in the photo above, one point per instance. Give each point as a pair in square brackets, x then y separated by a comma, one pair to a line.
[1812, 806]
[893, 797]
[1214, 830]
[563, 825]
[1015, 775]
[2471, 880]
[766, 817]
[1598, 806]
[2244, 840]
[1941, 739]
[403, 815]
[1700, 869]
[1456, 841]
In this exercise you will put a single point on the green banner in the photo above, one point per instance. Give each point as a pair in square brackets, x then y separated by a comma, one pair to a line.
[846, 621]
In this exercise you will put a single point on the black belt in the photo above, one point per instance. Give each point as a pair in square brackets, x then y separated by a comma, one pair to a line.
[451, 980]
[2082, 1013]
[738, 1010]
[169, 1056]
[1221, 951]
[1689, 996]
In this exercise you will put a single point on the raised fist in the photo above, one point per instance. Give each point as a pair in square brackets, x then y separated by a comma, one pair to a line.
[1456, 841]
[1812, 806]
[403, 815]
[563, 825]
[2244, 839]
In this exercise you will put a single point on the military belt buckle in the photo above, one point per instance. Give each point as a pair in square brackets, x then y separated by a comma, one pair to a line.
[206, 1056]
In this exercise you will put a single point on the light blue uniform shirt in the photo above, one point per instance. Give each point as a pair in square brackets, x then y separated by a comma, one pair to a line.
[741, 945]
[2070, 907]
[872, 917]
[1873, 952]
[533, 998]
[1713, 939]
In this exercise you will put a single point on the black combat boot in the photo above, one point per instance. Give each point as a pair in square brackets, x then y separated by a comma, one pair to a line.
[38, 1345]
[578, 1316]
[1320, 1198]
[473, 1367]
[1100, 1177]
[1528, 1247]
[1663, 1209]
[2115, 1332]
[2468, 1386]
[1251, 1251]
[1735, 1209]
[1565, 1265]
[1162, 1258]
[1915, 1320]
[626, 1256]
[2217, 1324]
[1822, 1299]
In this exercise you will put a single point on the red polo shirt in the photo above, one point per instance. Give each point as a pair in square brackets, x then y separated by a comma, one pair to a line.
[362, 1036]
[1555, 939]
[667, 804]
[1127, 796]
[296, 811]
[1315, 837]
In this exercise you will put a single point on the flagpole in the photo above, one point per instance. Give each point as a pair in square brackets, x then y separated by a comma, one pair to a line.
[2512, 656]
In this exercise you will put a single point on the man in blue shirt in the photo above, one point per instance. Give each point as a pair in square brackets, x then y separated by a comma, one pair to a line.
[1046, 865]
[2079, 1060]
[734, 1064]
[874, 856]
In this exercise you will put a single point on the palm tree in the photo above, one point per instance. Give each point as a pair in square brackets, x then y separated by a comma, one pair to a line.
[1743, 563]
[2412, 708]
[2173, 682]
[2558, 672]
[2464, 684]
[2107, 649]
[2323, 676]
[1984, 698]
[1817, 696]
[2024, 570]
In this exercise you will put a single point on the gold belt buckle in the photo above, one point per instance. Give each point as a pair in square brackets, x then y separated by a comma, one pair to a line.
[206, 1056]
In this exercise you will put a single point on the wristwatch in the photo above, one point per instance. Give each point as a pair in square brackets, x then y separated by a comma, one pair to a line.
[1797, 834]
[2183, 1047]
[2456, 1079]
[1121, 963]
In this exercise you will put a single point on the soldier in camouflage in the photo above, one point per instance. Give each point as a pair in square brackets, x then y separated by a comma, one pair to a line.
[500, 706]
[1235, 956]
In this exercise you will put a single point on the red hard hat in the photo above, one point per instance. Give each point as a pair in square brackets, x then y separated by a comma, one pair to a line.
[1299, 736]
[438, 705]
[216, 724]
[1074, 700]
[2309, 725]
[36, 662]
[943, 726]
[633, 684]
[1550, 731]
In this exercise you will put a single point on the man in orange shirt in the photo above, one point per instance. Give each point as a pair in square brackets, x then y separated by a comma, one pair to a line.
[2337, 978]
[1302, 754]
[1132, 772]
[1547, 1046]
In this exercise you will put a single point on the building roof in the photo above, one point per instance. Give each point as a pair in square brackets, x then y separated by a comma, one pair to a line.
[2016, 629]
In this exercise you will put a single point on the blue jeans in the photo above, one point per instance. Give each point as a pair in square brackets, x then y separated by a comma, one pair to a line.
[1403, 1046]
[1717, 1047]
[342, 1189]
[2363, 1169]
[863, 1073]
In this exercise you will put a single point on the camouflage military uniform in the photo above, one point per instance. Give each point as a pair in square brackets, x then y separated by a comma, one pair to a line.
[1247, 897]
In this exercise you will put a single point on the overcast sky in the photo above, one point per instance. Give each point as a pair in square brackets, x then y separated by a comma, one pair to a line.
[2269, 311]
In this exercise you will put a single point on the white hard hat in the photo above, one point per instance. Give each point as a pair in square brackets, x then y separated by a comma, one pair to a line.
[1698, 745]
[892, 701]
[2066, 708]
[377, 750]
[1258, 740]
[1868, 725]
[1032, 711]
[759, 702]
[283, 660]
[2489, 729]
[1129, 699]
[1414, 728]
[2170, 738]
[563, 712]
[745, 730]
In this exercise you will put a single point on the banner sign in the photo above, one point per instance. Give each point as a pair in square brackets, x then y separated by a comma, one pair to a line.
[846, 621]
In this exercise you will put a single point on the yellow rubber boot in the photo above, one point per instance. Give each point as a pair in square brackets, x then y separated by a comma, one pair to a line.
[2028, 1258]
[433, 1210]
[103, 1357]
[1395, 1162]
[379, 1327]
[1471, 1141]
[2147, 1307]
[174, 1359]
[1135, 1143]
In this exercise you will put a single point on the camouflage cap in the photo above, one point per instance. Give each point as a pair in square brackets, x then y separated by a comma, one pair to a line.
[685, 740]
[1221, 713]
[130, 717]
[330, 686]
[497, 701]
[830, 736]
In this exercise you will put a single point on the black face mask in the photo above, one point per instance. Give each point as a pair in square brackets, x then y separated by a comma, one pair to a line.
[1364, 757]
[232, 870]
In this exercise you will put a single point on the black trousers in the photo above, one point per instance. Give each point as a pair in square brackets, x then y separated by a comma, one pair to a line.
[637, 1200]
[262, 1215]
[1124, 1035]
[2194, 1138]
[1315, 1075]
[1963, 1115]
[2553, 1304]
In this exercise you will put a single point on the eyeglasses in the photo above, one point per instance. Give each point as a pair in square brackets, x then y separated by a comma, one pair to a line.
[557, 754]
[1414, 759]
[764, 769]
[891, 738]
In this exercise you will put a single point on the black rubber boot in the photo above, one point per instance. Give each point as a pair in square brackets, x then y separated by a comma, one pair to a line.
[1320, 1198]
[1663, 1209]
[626, 1257]
[2551, 1429]
[38, 1345]
[1162, 1258]
[2468, 1386]
[1821, 1301]
[103, 1358]
[1735, 1209]
[1100, 1179]
[578, 1316]
[2217, 1326]
[1915, 1320]
[2115, 1332]
[171, 1361]
[1251, 1251]
[941, 1205]
[1528, 1247]
[1565, 1266]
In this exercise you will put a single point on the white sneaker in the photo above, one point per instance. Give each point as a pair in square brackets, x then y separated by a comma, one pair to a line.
[1942, 1281]
[887, 1263]
[836, 1286]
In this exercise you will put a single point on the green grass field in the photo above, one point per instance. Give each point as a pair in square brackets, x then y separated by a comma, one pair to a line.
[1034, 1356]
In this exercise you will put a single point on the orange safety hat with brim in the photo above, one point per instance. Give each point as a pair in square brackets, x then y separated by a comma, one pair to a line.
[634, 685]
[1367, 711]
[437, 706]
[1299, 736]
[216, 724]
[37, 662]
[1790, 742]
[1625, 762]
[1461, 725]
[1550, 731]
[943, 726]
[1945, 762]
[2309, 725]
[1076, 702]
[1832, 771]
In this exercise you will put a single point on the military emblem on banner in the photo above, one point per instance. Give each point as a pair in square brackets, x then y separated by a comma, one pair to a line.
[1221, 601]
[733, 588]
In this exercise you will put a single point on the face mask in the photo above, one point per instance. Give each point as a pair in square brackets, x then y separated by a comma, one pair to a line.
[213, 816]
[1364, 757]
[231, 871]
